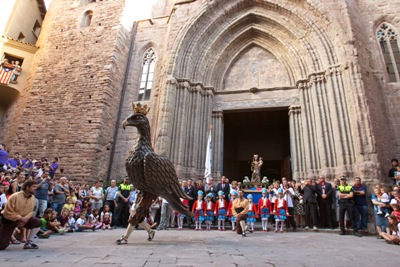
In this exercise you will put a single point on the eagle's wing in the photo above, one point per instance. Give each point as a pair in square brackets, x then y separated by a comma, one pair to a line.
[160, 173]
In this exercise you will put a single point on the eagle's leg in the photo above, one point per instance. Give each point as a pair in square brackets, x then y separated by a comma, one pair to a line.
[142, 208]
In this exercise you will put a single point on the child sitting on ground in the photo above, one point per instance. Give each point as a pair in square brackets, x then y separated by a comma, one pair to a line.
[106, 221]
[81, 225]
[94, 219]
[64, 217]
[70, 225]
[54, 224]
[106, 208]
[77, 210]
[44, 232]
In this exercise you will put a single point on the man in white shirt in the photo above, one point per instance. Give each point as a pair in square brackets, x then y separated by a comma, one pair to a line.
[289, 195]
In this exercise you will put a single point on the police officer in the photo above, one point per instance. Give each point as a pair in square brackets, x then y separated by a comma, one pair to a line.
[345, 193]
[121, 215]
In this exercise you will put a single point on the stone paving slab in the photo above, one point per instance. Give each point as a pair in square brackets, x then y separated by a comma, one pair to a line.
[204, 248]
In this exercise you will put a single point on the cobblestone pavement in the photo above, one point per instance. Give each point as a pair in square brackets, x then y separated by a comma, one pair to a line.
[204, 248]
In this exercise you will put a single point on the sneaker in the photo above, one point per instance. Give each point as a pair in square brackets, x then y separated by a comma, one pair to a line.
[151, 236]
[121, 241]
[315, 228]
[30, 245]
[281, 231]
[244, 235]
[306, 228]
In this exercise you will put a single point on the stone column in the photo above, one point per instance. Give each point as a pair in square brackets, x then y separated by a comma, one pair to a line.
[218, 144]
[295, 146]
[310, 149]
[296, 142]
[191, 119]
[343, 133]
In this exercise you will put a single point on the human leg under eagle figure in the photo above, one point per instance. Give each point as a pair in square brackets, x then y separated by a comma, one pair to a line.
[137, 218]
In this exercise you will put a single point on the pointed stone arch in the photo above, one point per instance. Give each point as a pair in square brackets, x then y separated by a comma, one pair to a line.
[200, 48]
[297, 34]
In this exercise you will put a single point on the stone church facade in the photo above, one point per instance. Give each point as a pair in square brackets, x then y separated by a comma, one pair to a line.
[310, 85]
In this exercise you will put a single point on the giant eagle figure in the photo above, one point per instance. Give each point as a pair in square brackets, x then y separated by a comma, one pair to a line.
[153, 175]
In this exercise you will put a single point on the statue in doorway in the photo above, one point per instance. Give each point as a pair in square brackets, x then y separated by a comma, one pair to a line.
[255, 168]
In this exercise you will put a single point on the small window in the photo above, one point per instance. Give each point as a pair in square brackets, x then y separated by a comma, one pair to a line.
[146, 81]
[87, 19]
[388, 40]
[13, 59]
[36, 29]
[21, 37]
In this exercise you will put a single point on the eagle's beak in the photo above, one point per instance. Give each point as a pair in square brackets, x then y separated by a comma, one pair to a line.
[124, 124]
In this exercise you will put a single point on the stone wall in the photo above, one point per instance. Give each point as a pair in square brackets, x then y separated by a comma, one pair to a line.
[70, 106]
[382, 97]
[146, 34]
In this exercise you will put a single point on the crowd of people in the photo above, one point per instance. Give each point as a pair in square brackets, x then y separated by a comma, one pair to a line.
[58, 205]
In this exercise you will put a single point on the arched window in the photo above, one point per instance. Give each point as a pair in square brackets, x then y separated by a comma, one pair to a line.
[87, 19]
[146, 82]
[388, 40]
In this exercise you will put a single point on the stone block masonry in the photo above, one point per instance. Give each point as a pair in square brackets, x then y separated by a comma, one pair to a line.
[70, 106]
